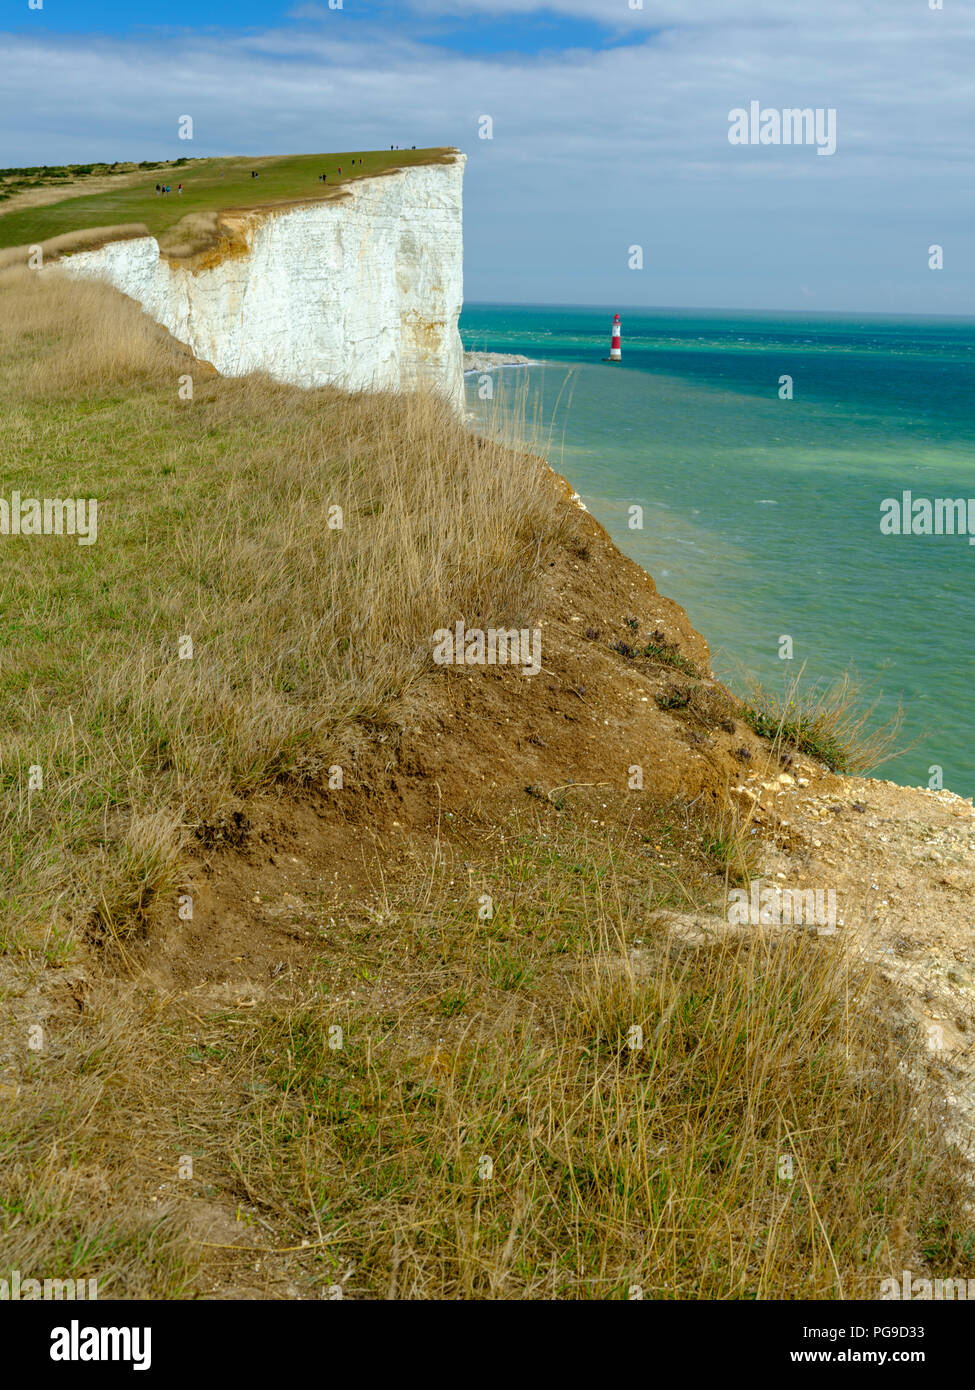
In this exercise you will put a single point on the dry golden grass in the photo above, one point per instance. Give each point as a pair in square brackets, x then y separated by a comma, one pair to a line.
[564, 1100]
[492, 1126]
[14, 258]
[73, 1127]
[214, 524]
[569, 1101]
[191, 234]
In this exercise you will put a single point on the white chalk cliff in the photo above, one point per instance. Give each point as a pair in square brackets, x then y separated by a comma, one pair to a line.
[363, 291]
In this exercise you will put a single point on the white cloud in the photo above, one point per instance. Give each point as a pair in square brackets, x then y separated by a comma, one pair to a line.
[593, 150]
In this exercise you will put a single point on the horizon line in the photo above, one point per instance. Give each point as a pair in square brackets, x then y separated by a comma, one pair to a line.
[713, 309]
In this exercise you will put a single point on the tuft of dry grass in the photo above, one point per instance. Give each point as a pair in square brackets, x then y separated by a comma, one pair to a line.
[191, 234]
[14, 258]
[834, 724]
[73, 1124]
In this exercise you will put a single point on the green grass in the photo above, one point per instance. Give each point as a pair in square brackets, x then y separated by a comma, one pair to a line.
[208, 185]
[658, 649]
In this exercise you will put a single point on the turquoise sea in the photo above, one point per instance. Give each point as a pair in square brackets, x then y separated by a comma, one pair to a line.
[761, 516]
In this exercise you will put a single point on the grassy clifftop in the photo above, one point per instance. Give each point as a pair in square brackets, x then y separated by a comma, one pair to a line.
[322, 966]
[209, 186]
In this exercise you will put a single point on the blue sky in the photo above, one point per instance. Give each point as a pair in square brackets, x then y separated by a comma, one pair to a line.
[610, 129]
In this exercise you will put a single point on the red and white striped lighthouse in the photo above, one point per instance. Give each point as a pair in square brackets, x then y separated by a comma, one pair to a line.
[614, 350]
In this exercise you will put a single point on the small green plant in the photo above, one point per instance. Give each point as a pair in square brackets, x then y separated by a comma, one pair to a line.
[678, 698]
[659, 649]
[831, 724]
[508, 971]
[452, 1003]
[668, 653]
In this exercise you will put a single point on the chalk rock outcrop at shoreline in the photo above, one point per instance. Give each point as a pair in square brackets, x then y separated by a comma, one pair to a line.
[362, 291]
[490, 361]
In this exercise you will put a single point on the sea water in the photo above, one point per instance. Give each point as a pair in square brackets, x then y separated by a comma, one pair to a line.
[761, 514]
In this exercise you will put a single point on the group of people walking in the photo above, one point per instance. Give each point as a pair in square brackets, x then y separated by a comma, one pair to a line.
[323, 178]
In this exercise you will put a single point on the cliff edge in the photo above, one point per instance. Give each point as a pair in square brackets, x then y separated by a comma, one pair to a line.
[362, 291]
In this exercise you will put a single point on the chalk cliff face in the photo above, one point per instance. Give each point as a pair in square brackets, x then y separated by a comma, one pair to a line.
[363, 292]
